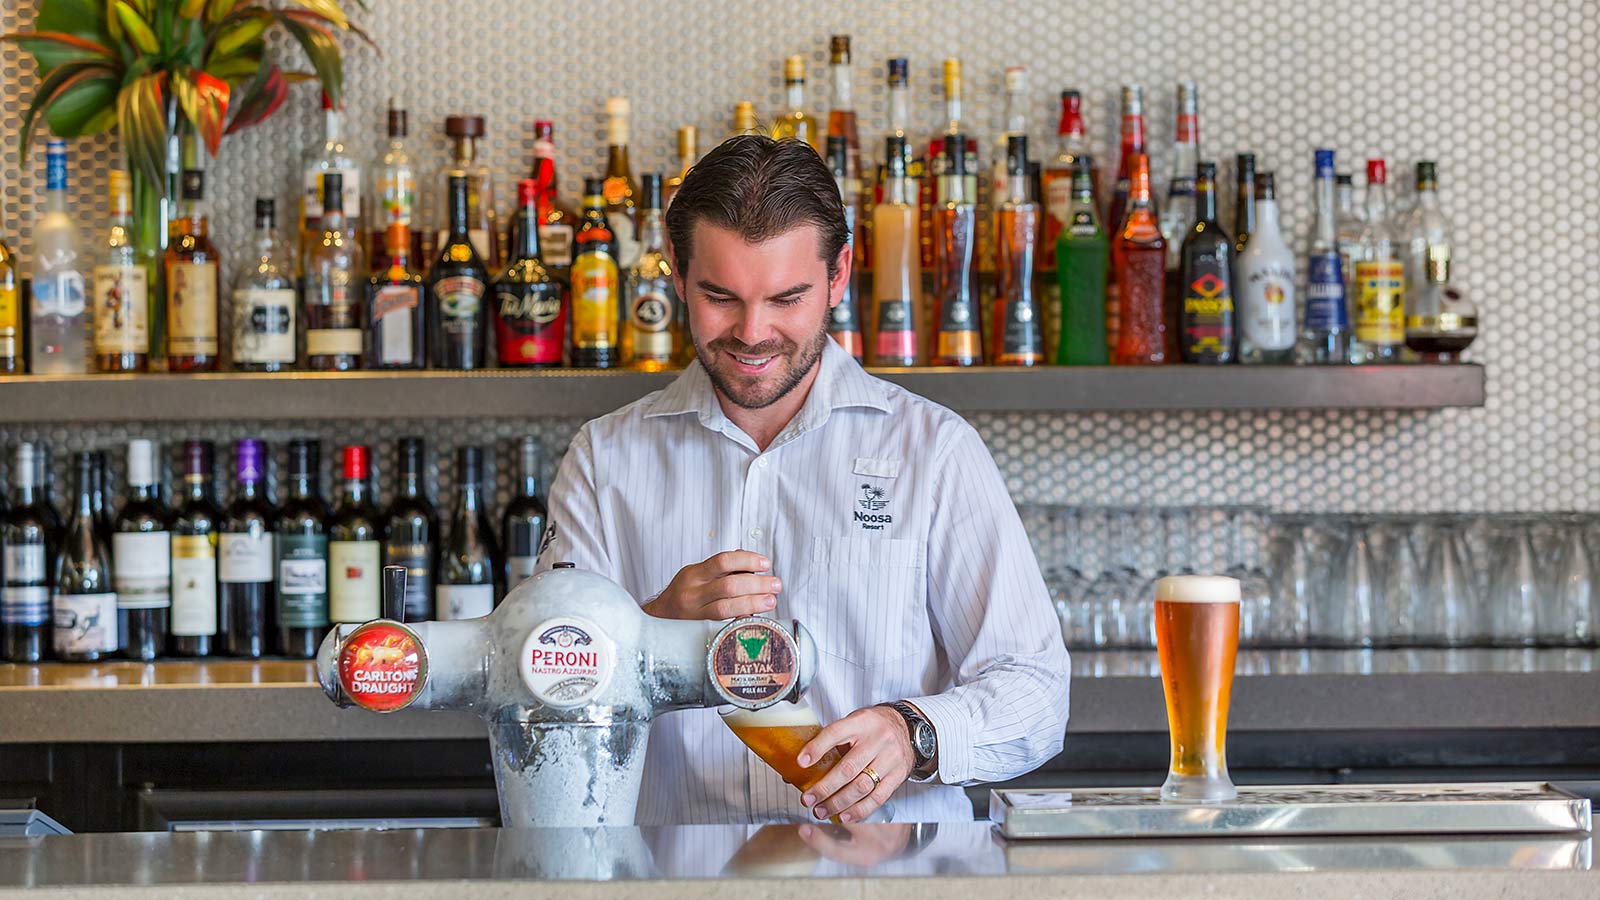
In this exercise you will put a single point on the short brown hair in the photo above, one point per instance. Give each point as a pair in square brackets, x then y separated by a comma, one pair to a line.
[759, 188]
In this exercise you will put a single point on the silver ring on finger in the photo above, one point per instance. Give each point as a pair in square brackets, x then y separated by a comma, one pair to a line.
[876, 778]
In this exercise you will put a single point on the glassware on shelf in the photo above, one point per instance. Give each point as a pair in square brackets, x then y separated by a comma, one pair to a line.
[1514, 589]
[1568, 618]
[1445, 616]
[1355, 600]
[1111, 600]
[1395, 544]
[1260, 622]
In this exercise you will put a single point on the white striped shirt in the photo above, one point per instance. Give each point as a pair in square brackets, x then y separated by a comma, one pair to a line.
[897, 544]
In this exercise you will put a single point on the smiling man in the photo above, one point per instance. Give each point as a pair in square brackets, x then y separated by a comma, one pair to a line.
[775, 476]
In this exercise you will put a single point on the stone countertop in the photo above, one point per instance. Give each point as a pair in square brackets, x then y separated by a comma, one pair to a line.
[954, 860]
[1113, 693]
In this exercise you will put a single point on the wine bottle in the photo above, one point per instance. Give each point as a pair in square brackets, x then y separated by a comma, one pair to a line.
[141, 544]
[85, 611]
[26, 560]
[353, 547]
[411, 532]
[456, 287]
[467, 563]
[302, 538]
[523, 523]
[102, 498]
[244, 555]
[194, 556]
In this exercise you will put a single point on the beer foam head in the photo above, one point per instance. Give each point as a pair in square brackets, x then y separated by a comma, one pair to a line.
[1198, 589]
[779, 715]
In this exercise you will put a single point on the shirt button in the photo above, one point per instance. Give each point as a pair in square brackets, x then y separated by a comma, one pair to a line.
[762, 462]
[755, 532]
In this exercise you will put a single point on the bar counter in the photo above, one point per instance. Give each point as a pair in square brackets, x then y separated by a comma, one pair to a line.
[954, 861]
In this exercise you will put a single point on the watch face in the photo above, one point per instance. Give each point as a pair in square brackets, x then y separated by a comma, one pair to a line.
[925, 740]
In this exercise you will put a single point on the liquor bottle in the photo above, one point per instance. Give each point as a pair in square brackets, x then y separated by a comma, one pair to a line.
[531, 305]
[1380, 281]
[264, 300]
[353, 546]
[1082, 257]
[842, 110]
[333, 264]
[1139, 263]
[1347, 219]
[844, 320]
[481, 222]
[1178, 213]
[1018, 326]
[193, 273]
[396, 187]
[195, 523]
[245, 556]
[931, 190]
[302, 539]
[101, 493]
[1440, 320]
[396, 307]
[556, 220]
[455, 291]
[620, 189]
[959, 340]
[991, 199]
[1132, 145]
[688, 155]
[57, 523]
[1058, 185]
[468, 560]
[1207, 313]
[1325, 334]
[897, 270]
[796, 122]
[10, 305]
[1265, 289]
[1427, 236]
[141, 544]
[322, 157]
[744, 119]
[900, 120]
[595, 285]
[1244, 204]
[651, 340]
[27, 560]
[57, 332]
[121, 291]
[525, 516]
[85, 605]
[411, 531]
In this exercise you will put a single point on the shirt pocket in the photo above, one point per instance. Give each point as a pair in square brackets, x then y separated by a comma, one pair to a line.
[864, 597]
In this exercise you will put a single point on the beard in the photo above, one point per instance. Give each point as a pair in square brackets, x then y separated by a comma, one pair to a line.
[758, 392]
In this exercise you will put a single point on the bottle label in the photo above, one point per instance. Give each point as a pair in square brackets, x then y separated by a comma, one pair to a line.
[1021, 341]
[192, 309]
[1207, 309]
[532, 323]
[29, 606]
[843, 315]
[897, 341]
[417, 559]
[353, 568]
[263, 325]
[464, 601]
[651, 317]
[460, 297]
[85, 623]
[555, 244]
[194, 585]
[121, 309]
[399, 188]
[350, 192]
[10, 313]
[333, 341]
[24, 564]
[394, 312]
[1266, 305]
[1380, 309]
[244, 557]
[58, 294]
[143, 569]
[594, 300]
[1325, 307]
[302, 580]
[520, 569]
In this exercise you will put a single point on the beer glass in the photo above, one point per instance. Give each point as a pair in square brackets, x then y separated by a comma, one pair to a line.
[778, 733]
[1197, 636]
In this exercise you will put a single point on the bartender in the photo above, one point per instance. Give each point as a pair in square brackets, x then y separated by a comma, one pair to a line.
[776, 477]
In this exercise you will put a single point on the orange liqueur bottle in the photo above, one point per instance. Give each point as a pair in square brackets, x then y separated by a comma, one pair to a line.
[896, 265]
[1138, 259]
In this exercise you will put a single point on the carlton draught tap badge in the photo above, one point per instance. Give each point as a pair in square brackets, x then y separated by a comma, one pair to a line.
[382, 666]
[753, 661]
[567, 661]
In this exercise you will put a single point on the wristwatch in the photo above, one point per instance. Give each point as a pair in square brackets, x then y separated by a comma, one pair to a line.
[924, 740]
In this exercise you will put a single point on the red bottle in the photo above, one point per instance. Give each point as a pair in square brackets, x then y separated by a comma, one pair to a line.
[1139, 265]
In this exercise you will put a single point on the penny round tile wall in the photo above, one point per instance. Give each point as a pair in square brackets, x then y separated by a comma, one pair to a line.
[1502, 95]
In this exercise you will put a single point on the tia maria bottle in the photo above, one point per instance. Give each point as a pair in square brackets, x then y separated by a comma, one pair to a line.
[302, 552]
[411, 532]
[141, 543]
[85, 604]
[245, 558]
[530, 302]
[525, 516]
[1206, 280]
[354, 550]
[194, 556]
[468, 561]
[27, 562]
[1139, 264]
[456, 288]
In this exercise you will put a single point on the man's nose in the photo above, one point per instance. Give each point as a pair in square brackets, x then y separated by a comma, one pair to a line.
[753, 327]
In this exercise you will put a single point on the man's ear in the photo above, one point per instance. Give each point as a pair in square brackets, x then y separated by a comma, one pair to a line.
[841, 275]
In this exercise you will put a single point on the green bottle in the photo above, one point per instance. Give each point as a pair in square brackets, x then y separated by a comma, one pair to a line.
[1082, 255]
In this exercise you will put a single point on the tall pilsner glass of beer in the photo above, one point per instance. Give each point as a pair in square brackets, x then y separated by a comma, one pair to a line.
[1197, 635]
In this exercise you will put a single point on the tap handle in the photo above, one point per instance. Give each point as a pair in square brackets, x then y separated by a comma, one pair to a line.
[394, 593]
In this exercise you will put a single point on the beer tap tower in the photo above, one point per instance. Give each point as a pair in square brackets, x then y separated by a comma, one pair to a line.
[567, 673]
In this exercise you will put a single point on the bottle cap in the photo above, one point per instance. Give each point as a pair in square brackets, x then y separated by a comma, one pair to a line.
[197, 456]
[1188, 98]
[899, 71]
[462, 126]
[303, 456]
[397, 239]
[952, 77]
[618, 106]
[355, 463]
[1132, 100]
[839, 48]
[1265, 188]
[266, 211]
[469, 465]
[410, 452]
[1206, 170]
[248, 460]
[1244, 166]
[527, 193]
[141, 463]
[1324, 163]
[650, 186]
[1377, 172]
[594, 187]
[1016, 79]
[688, 142]
[1427, 173]
[838, 155]
[744, 116]
[398, 126]
[1071, 102]
[794, 68]
[543, 130]
[1344, 178]
[529, 452]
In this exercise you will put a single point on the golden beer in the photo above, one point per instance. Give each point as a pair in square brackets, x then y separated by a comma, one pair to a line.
[777, 734]
[1197, 637]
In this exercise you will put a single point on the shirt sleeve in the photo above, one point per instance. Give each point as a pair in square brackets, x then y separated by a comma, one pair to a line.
[576, 530]
[992, 615]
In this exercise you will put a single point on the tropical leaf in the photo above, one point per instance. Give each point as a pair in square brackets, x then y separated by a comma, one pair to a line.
[54, 48]
[237, 33]
[62, 80]
[204, 100]
[260, 99]
[89, 107]
[191, 9]
[322, 49]
[331, 10]
[312, 18]
[135, 28]
[84, 18]
[142, 120]
[237, 69]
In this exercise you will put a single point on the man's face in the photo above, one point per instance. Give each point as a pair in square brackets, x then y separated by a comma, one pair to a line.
[758, 312]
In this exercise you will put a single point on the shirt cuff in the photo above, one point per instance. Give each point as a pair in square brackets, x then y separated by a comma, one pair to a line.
[950, 724]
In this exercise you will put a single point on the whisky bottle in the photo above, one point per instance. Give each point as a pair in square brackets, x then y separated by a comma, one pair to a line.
[688, 155]
[620, 190]
[328, 155]
[121, 292]
[595, 285]
[333, 265]
[1018, 327]
[456, 288]
[796, 123]
[264, 300]
[651, 340]
[530, 305]
[396, 301]
[958, 340]
[897, 265]
[482, 224]
[193, 271]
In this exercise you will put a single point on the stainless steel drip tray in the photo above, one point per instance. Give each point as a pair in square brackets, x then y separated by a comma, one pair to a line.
[1489, 808]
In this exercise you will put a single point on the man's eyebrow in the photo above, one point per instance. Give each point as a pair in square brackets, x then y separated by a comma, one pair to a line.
[711, 287]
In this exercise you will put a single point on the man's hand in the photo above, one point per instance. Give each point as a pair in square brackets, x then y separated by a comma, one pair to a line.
[877, 737]
[722, 587]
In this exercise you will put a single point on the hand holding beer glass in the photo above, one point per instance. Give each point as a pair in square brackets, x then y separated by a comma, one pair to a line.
[1197, 636]
[778, 733]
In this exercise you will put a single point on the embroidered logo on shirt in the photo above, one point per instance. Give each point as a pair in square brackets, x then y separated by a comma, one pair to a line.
[873, 498]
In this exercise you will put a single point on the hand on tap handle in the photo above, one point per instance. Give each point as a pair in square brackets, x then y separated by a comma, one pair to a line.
[726, 586]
